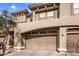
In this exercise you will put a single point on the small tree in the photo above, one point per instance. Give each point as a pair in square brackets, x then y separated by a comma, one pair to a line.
[7, 22]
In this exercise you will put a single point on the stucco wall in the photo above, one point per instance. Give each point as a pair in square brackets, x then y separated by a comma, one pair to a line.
[50, 22]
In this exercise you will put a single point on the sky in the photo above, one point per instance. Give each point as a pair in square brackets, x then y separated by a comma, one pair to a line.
[12, 7]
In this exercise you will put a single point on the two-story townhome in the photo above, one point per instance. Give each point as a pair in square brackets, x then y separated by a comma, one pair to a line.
[50, 26]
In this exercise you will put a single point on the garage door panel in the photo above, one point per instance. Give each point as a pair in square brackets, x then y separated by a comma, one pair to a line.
[73, 43]
[28, 44]
[52, 42]
[42, 43]
[35, 43]
[51, 47]
[32, 43]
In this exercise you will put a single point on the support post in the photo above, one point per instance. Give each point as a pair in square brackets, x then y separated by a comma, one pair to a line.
[62, 39]
[17, 40]
[34, 19]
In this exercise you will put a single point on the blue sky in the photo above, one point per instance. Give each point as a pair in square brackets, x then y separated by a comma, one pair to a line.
[12, 7]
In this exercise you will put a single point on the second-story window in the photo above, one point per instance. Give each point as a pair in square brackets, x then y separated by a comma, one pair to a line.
[43, 15]
[46, 14]
[50, 13]
[76, 8]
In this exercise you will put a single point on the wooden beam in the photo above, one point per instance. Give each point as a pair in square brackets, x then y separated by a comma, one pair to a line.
[28, 14]
[45, 9]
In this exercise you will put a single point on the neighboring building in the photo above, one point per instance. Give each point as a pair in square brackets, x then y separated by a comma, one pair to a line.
[51, 26]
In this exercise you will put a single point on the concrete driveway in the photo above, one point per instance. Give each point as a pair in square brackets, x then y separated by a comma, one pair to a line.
[34, 53]
[27, 52]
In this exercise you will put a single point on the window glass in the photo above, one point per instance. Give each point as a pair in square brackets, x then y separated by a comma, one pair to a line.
[43, 15]
[50, 13]
[76, 8]
[76, 5]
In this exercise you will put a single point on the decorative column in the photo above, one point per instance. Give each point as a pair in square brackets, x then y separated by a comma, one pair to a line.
[34, 18]
[17, 40]
[62, 39]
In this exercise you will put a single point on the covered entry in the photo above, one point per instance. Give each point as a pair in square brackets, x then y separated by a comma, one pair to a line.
[41, 40]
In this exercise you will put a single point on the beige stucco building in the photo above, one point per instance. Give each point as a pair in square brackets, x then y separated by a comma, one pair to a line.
[51, 26]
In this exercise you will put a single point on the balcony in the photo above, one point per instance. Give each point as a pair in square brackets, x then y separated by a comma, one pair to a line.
[49, 22]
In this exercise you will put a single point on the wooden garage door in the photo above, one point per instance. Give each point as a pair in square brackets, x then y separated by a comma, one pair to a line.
[41, 42]
[73, 43]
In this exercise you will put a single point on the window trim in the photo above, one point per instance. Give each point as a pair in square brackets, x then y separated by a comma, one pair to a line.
[46, 15]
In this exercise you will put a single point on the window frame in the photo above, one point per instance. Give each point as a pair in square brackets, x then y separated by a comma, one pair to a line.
[42, 17]
[49, 12]
[75, 9]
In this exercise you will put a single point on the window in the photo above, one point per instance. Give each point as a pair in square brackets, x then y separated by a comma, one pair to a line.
[43, 32]
[50, 13]
[43, 15]
[34, 32]
[28, 33]
[76, 8]
[52, 31]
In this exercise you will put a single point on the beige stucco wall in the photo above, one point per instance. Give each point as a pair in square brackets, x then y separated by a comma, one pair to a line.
[65, 9]
[65, 21]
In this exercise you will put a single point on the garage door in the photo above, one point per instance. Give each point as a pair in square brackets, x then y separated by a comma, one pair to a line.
[41, 42]
[73, 43]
